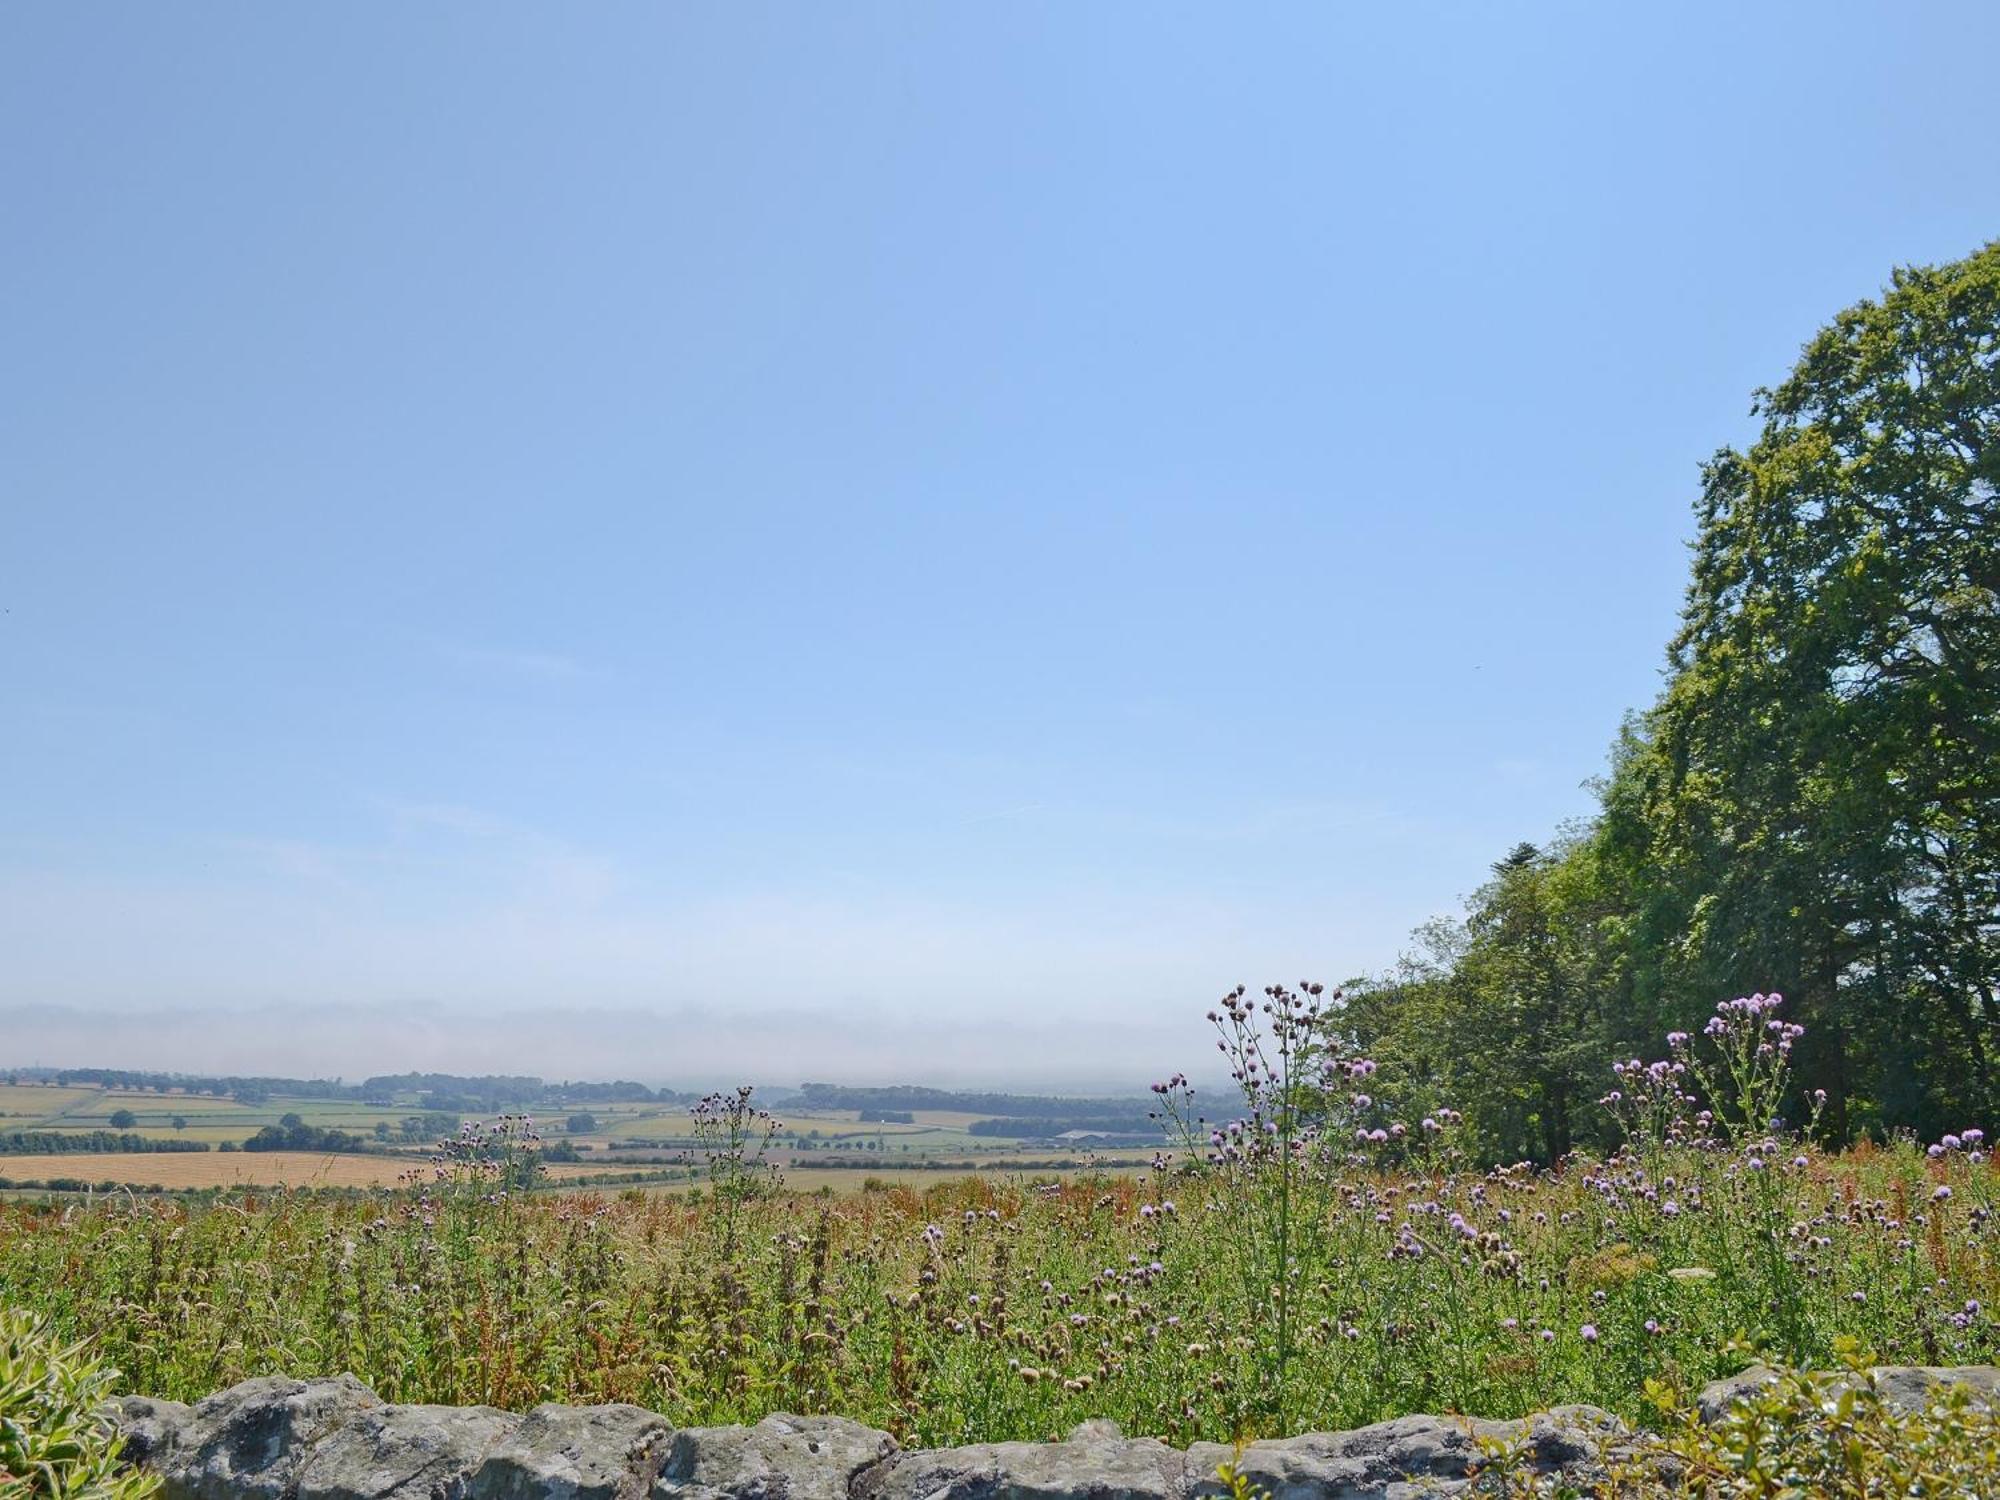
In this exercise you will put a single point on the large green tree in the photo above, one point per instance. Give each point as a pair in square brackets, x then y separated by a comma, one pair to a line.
[1819, 794]
[1813, 805]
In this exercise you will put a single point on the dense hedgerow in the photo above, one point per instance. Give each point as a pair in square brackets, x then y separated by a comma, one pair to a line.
[73, 1142]
[1313, 1263]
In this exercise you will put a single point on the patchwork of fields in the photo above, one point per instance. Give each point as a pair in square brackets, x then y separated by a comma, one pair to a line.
[630, 1140]
[30, 1106]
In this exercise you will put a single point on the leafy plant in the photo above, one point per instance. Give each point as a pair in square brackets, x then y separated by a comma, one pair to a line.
[55, 1443]
[1834, 1434]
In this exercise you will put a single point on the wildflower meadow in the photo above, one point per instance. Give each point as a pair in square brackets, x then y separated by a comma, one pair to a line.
[1315, 1260]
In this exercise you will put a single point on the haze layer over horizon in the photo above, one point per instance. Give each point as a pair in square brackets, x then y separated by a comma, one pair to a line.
[675, 543]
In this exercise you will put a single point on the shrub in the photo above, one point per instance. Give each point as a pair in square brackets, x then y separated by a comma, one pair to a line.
[1826, 1434]
[54, 1439]
[1833, 1434]
[293, 1134]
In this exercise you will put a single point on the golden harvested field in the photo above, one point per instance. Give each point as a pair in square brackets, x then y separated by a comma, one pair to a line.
[200, 1169]
[562, 1171]
[264, 1169]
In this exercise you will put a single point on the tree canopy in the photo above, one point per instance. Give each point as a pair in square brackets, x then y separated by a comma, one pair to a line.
[1813, 803]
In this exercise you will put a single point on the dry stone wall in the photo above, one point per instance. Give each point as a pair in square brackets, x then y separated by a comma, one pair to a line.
[333, 1439]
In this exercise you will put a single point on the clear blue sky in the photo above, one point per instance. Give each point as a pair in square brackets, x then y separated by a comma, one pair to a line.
[858, 540]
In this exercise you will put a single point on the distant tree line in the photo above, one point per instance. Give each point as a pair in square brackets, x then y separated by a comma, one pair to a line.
[163, 1083]
[910, 1097]
[1812, 806]
[71, 1143]
[494, 1092]
[292, 1133]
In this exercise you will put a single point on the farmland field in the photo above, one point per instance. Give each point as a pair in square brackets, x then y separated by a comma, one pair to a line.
[212, 1120]
[208, 1118]
[890, 1178]
[36, 1101]
[209, 1169]
[191, 1171]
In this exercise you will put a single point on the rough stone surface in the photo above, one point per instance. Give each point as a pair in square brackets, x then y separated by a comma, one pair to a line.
[1094, 1462]
[1410, 1456]
[250, 1441]
[278, 1439]
[404, 1453]
[576, 1453]
[1904, 1388]
[781, 1458]
[151, 1428]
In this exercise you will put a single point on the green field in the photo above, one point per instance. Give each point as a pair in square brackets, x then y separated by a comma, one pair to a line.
[28, 1106]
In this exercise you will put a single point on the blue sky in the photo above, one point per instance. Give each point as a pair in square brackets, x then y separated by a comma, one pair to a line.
[864, 541]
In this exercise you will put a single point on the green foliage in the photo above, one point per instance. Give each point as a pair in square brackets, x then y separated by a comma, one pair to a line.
[1833, 1434]
[1507, 1013]
[70, 1143]
[293, 1134]
[1804, 1435]
[1820, 794]
[1235, 1483]
[54, 1441]
[1813, 805]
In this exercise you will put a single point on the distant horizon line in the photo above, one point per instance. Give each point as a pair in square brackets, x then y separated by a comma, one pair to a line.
[11, 1072]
